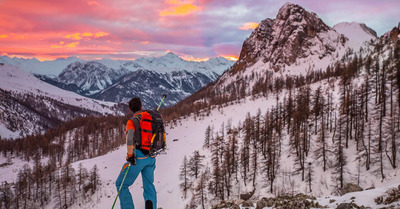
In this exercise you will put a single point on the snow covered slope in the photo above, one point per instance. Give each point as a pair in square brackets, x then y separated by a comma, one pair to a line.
[29, 105]
[357, 34]
[49, 68]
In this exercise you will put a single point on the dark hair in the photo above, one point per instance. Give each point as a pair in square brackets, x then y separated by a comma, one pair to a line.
[135, 104]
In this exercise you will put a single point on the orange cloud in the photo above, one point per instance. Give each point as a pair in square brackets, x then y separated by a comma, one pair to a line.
[249, 26]
[75, 36]
[180, 8]
[145, 42]
[3, 36]
[231, 57]
[195, 59]
[91, 3]
[62, 45]
[188, 57]
[79, 36]
[87, 34]
[100, 34]
[73, 44]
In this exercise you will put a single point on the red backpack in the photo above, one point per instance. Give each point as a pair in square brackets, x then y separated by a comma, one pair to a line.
[151, 131]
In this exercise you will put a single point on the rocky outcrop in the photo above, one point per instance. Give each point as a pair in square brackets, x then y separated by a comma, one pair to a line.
[349, 187]
[392, 195]
[349, 206]
[300, 201]
[290, 36]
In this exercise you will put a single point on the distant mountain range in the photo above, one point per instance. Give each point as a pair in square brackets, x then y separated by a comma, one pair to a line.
[118, 81]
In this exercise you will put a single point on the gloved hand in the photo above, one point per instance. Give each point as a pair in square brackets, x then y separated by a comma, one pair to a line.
[131, 158]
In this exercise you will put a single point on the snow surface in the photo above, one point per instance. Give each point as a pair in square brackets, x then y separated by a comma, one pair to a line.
[365, 198]
[356, 33]
[6, 133]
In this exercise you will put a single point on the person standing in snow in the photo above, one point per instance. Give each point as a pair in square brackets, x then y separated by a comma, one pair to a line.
[140, 162]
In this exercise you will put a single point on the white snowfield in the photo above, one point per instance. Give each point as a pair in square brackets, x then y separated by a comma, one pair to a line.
[357, 33]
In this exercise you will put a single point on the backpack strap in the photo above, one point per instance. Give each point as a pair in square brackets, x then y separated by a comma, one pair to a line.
[137, 136]
[136, 123]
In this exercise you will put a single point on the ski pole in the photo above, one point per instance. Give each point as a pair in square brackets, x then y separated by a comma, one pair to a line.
[163, 97]
[120, 187]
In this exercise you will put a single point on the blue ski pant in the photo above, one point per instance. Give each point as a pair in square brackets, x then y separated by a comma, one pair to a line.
[145, 166]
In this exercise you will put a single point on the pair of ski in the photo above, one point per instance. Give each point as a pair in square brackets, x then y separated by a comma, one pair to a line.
[127, 170]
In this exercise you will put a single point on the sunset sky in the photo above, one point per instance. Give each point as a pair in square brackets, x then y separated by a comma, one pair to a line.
[127, 29]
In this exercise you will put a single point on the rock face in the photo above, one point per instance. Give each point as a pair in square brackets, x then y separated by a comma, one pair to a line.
[90, 77]
[295, 33]
[348, 206]
[391, 196]
[300, 201]
[247, 195]
[349, 187]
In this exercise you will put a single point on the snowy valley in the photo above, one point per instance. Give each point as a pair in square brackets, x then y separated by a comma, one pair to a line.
[308, 117]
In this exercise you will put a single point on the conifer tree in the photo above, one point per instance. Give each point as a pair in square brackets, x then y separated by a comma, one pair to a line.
[184, 177]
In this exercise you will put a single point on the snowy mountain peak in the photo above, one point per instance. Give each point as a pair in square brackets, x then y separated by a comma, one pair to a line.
[295, 15]
[295, 33]
[90, 77]
[357, 33]
[171, 56]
